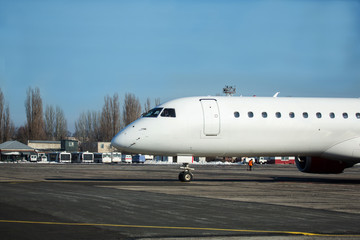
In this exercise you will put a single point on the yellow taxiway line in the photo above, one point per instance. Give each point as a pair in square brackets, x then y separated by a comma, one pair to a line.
[180, 228]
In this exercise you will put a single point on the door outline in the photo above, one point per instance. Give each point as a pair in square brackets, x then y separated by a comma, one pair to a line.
[211, 117]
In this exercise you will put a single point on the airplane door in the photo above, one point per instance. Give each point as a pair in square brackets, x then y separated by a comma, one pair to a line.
[211, 117]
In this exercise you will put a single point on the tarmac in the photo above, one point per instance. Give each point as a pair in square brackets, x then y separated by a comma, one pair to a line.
[98, 201]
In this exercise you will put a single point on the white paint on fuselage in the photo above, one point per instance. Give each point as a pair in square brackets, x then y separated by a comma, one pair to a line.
[245, 136]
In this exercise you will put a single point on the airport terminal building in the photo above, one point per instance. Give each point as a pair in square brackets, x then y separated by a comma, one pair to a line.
[15, 151]
[54, 146]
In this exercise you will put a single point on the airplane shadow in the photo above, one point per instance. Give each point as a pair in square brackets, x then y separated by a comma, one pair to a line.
[109, 180]
[260, 180]
[316, 180]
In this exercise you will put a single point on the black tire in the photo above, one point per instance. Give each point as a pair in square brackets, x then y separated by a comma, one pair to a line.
[181, 176]
[186, 176]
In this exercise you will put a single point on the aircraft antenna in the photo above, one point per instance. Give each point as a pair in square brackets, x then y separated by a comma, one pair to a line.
[229, 90]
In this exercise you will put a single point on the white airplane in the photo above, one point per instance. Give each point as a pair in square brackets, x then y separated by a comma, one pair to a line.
[323, 133]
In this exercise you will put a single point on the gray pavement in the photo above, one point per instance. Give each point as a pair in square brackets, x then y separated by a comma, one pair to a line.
[57, 201]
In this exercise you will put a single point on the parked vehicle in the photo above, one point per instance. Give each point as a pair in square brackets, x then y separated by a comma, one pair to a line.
[52, 156]
[102, 157]
[262, 160]
[116, 157]
[33, 158]
[126, 158]
[64, 157]
[82, 157]
[138, 158]
[43, 158]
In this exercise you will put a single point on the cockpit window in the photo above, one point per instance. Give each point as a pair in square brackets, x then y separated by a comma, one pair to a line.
[153, 113]
[168, 112]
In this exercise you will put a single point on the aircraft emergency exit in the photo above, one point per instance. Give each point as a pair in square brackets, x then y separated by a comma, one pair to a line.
[323, 133]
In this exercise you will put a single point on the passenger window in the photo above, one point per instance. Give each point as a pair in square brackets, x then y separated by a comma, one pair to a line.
[332, 115]
[153, 113]
[278, 114]
[345, 115]
[250, 114]
[236, 114]
[291, 115]
[318, 115]
[305, 115]
[264, 114]
[168, 112]
[357, 115]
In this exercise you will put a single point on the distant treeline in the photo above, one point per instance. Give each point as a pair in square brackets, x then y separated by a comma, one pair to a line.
[51, 124]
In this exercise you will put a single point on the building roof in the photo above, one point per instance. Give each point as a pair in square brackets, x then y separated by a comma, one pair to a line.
[44, 141]
[15, 145]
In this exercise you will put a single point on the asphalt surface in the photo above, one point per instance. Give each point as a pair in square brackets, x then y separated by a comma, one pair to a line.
[58, 201]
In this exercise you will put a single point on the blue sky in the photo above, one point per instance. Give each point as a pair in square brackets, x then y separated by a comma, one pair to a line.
[78, 51]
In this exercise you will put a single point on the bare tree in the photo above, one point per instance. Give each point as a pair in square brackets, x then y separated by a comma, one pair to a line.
[116, 120]
[87, 127]
[131, 108]
[50, 122]
[106, 119]
[147, 105]
[7, 128]
[22, 134]
[60, 124]
[157, 101]
[55, 123]
[34, 114]
[2, 103]
[95, 130]
[110, 117]
[82, 131]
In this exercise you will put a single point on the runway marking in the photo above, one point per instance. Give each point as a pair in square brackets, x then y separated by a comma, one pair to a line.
[180, 228]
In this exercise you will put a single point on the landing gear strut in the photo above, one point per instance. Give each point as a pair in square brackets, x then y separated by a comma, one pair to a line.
[186, 175]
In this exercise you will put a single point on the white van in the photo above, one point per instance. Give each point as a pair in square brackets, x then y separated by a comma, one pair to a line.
[262, 160]
[33, 158]
[43, 158]
[126, 158]
[116, 157]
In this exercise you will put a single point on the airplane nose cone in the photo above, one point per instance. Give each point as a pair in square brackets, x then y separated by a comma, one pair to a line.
[130, 139]
[121, 140]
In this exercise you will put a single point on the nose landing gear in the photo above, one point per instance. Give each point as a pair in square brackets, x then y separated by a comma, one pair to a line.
[186, 175]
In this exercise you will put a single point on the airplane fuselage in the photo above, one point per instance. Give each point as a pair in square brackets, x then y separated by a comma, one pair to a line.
[248, 126]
